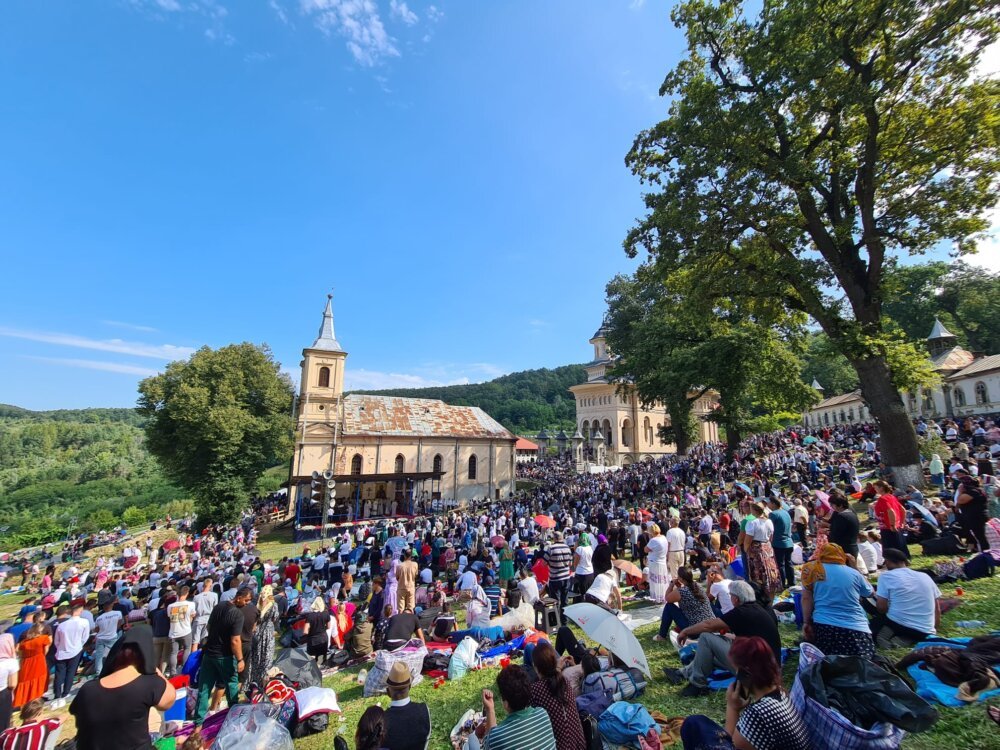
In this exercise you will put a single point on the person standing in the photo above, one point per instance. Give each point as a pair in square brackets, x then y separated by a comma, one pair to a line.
[181, 615]
[676, 540]
[659, 576]
[844, 525]
[761, 568]
[222, 660]
[70, 639]
[781, 541]
[107, 628]
[8, 678]
[406, 578]
[204, 603]
[559, 558]
[891, 517]
[583, 563]
[262, 646]
[33, 676]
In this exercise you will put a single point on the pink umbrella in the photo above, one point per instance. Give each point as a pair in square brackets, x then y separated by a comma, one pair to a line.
[544, 522]
[498, 541]
[171, 544]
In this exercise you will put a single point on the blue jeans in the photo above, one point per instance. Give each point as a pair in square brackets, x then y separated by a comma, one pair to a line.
[672, 615]
[101, 648]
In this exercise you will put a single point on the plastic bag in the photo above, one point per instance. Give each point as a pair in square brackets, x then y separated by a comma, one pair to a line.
[866, 694]
[463, 659]
[249, 726]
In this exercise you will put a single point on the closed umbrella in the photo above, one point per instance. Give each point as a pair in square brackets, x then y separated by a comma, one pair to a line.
[604, 627]
[544, 522]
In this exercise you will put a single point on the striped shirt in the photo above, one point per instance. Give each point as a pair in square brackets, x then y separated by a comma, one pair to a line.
[560, 560]
[30, 736]
[527, 729]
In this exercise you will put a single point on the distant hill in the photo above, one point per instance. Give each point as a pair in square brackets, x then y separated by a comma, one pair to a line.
[523, 402]
[90, 465]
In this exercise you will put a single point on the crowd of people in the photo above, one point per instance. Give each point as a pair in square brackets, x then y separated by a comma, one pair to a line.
[716, 540]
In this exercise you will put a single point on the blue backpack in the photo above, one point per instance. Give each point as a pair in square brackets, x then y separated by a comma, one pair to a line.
[622, 722]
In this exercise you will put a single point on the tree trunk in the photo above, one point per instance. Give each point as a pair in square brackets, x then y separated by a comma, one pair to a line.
[898, 439]
[734, 436]
[680, 415]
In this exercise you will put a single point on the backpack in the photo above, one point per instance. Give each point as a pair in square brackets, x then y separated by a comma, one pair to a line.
[591, 733]
[621, 683]
[313, 725]
[623, 722]
[981, 566]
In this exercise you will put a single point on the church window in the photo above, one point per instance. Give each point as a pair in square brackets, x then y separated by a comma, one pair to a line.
[473, 462]
[356, 464]
[959, 397]
[826, 417]
[982, 395]
[400, 463]
[438, 463]
[324, 377]
[626, 433]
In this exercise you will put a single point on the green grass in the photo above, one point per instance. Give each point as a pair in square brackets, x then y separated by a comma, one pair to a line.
[965, 728]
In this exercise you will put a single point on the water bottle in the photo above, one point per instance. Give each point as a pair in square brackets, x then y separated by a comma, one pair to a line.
[362, 676]
[970, 624]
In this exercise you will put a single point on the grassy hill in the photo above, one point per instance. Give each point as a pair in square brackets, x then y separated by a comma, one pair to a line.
[85, 464]
[522, 401]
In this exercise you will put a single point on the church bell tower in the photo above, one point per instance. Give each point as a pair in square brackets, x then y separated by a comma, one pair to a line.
[322, 384]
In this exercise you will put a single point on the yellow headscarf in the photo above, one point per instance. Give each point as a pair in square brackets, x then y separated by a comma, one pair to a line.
[832, 554]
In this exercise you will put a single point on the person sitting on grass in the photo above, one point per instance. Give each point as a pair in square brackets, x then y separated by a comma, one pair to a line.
[758, 713]
[907, 604]
[747, 618]
[526, 727]
[35, 733]
[686, 604]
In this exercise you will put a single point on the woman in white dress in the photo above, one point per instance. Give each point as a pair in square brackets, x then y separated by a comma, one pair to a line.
[656, 561]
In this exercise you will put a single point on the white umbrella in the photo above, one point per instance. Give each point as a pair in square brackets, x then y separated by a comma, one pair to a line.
[605, 628]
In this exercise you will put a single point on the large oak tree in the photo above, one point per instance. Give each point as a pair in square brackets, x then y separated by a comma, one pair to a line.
[810, 143]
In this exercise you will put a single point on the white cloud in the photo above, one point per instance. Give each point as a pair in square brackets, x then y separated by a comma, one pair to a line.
[152, 351]
[279, 11]
[401, 11]
[129, 326]
[434, 13]
[359, 22]
[373, 380]
[93, 364]
[169, 5]
[636, 4]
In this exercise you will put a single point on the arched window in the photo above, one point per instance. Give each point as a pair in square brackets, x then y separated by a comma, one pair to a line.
[400, 463]
[647, 431]
[324, 377]
[585, 429]
[473, 463]
[627, 433]
[982, 395]
[608, 434]
[356, 464]
[850, 414]
[959, 397]
[438, 463]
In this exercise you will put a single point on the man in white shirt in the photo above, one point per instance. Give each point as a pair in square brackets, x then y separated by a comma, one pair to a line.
[468, 581]
[705, 528]
[528, 586]
[71, 636]
[908, 604]
[181, 615]
[676, 540]
[319, 567]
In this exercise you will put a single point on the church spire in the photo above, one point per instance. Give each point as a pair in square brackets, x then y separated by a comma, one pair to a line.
[326, 340]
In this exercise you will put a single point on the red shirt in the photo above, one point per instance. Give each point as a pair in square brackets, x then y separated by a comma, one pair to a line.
[541, 571]
[724, 520]
[293, 571]
[881, 510]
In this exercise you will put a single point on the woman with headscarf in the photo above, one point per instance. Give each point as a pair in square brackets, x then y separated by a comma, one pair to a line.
[583, 563]
[112, 712]
[835, 621]
[316, 629]
[392, 585]
[9, 668]
[33, 676]
[761, 566]
[659, 577]
[506, 571]
[262, 645]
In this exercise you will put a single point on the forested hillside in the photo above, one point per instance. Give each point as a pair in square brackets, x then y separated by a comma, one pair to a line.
[523, 401]
[90, 465]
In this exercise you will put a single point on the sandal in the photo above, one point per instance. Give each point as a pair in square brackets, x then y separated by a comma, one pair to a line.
[994, 713]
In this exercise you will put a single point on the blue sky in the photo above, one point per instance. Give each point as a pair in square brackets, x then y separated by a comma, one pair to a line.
[176, 173]
[179, 173]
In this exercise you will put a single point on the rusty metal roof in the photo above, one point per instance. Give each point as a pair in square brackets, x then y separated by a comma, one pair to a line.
[953, 359]
[842, 399]
[391, 415]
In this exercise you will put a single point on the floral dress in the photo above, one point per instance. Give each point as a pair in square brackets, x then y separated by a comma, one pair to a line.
[262, 647]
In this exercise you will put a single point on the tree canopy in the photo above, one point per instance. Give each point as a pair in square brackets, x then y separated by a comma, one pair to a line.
[216, 422]
[810, 143]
